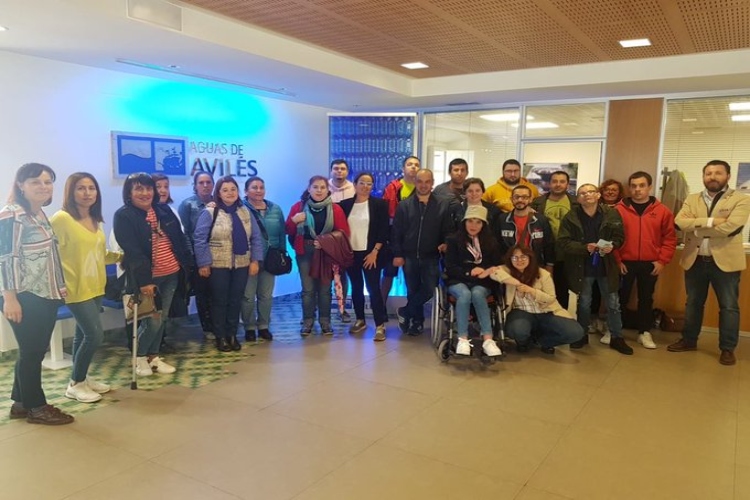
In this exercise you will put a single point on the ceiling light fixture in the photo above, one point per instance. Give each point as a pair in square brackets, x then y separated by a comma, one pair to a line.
[689, 119]
[176, 71]
[3, 28]
[739, 106]
[741, 118]
[415, 65]
[637, 42]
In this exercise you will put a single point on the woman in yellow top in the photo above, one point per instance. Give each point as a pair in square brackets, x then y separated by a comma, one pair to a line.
[84, 254]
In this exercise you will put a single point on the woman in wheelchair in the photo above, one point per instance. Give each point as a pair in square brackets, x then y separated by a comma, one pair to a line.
[471, 252]
[535, 312]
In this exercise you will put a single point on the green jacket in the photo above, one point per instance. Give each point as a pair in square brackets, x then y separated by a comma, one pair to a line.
[572, 247]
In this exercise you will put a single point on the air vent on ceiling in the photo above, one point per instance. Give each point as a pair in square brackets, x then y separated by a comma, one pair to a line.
[156, 12]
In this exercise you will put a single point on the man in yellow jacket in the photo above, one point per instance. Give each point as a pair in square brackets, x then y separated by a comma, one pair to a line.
[499, 193]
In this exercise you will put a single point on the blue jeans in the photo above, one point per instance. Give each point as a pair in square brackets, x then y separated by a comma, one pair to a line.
[151, 329]
[33, 334]
[465, 297]
[316, 293]
[548, 329]
[614, 319]
[259, 288]
[421, 277]
[227, 288]
[726, 285]
[88, 337]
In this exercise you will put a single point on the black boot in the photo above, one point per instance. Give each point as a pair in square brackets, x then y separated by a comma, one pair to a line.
[234, 343]
[250, 335]
[222, 344]
[580, 343]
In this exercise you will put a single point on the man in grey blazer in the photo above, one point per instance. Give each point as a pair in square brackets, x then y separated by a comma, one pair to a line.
[713, 221]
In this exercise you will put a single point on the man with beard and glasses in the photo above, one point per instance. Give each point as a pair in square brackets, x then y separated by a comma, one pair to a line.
[713, 221]
[524, 227]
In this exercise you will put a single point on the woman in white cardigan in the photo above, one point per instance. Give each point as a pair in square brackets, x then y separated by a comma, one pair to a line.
[535, 314]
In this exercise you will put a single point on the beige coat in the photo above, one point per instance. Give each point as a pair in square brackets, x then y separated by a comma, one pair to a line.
[544, 291]
[725, 239]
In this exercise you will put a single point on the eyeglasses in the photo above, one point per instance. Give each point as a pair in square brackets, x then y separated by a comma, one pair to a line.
[365, 184]
[520, 197]
[516, 258]
[587, 193]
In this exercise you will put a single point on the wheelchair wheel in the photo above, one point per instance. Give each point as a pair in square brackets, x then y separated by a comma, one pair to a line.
[443, 350]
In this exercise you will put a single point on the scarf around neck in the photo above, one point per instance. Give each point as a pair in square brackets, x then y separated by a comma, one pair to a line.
[475, 250]
[316, 206]
[240, 245]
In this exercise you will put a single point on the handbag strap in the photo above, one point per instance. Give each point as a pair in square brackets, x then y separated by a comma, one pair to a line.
[260, 224]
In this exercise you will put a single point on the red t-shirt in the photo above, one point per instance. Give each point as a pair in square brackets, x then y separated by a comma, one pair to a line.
[523, 237]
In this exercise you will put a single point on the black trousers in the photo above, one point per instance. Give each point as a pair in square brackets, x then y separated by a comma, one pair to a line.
[639, 272]
[33, 334]
[360, 277]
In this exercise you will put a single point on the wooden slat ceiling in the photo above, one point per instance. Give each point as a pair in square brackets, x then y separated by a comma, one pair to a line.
[458, 37]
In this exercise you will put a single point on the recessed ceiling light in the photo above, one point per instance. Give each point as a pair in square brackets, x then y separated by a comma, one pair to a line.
[3, 28]
[741, 118]
[415, 65]
[690, 119]
[173, 66]
[697, 132]
[739, 106]
[638, 42]
[538, 125]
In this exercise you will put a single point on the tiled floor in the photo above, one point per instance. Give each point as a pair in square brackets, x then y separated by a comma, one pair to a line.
[347, 418]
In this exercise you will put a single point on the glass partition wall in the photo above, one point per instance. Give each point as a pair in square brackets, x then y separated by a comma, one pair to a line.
[703, 129]
[543, 138]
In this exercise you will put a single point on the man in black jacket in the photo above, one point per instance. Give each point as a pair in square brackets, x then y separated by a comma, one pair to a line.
[522, 226]
[420, 227]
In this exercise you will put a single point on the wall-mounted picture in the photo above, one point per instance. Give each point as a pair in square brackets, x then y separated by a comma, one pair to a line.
[148, 153]
[743, 177]
[539, 174]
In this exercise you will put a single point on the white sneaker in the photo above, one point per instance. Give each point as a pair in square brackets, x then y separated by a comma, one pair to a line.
[490, 348]
[606, 338]
[82, 393]
[464, 347]
[98, 387]
[142, 368]
[646, 340]
[159, 366]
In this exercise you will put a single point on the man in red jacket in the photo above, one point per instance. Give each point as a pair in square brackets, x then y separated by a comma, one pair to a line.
[650, 243]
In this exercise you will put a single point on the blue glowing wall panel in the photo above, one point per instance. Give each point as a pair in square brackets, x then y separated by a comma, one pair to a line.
[148, 153]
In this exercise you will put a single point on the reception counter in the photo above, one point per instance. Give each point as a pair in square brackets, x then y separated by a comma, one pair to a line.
[670, 294]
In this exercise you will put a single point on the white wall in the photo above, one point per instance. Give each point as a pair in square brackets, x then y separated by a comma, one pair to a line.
[62, 114]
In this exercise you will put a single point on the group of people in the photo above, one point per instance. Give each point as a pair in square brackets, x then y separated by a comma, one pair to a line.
[215, 244]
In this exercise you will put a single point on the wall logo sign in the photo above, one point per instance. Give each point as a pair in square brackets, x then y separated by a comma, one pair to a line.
[220, 159]
[152, 154]
[177, 156]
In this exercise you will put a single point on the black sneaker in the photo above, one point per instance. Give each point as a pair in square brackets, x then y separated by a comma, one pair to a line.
[580, 343]
[619, 345]
[265, 334]
[547, 350]
[403, 321]
[326, 329]
[417, 327]
[344, 317]
[250, 336]
[307, 326]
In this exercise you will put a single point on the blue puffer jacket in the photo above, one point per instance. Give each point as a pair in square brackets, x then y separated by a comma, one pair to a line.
[273, 222]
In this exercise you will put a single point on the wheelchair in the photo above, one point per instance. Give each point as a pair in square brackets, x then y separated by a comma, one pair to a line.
[443, 325]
